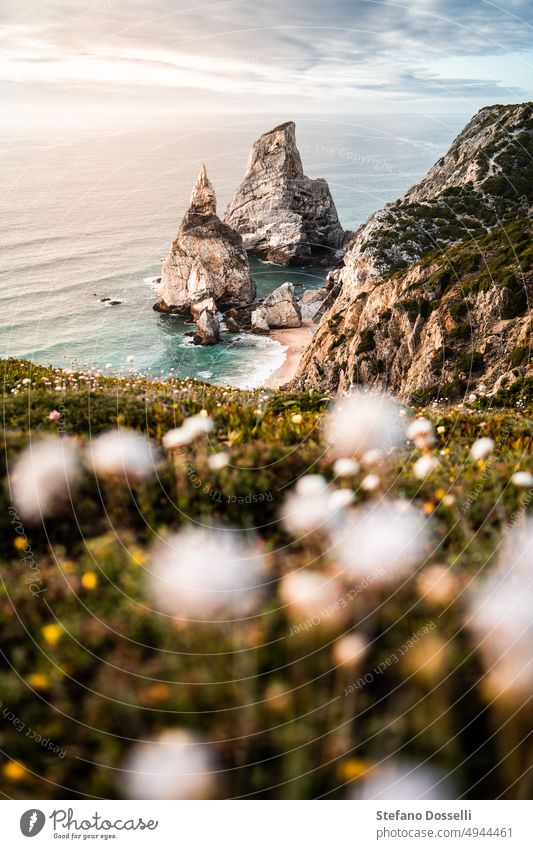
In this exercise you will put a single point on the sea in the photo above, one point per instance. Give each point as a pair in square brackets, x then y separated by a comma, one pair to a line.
[88, 213]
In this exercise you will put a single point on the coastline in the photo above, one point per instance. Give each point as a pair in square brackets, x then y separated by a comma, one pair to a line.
[295, 340]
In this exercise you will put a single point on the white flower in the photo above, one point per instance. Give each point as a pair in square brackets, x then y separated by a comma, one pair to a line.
[482, 448]
[191, 428]
[123, 453]
[420, 431]
[339, 499]
[26, 381]
[313, 506]
[207, 574]
[345, 467]
[381, 542]
[349, 650]
[372, 457]
[406, 780]
[500, 613]
[312, 595]
[131, 358]
[363, 421]
[370, 483]
[424, 466]
[44, 477]
[178, 765]
[522, 479]
[218, 461]
[311, 485]
[441, 429]
[437, 584]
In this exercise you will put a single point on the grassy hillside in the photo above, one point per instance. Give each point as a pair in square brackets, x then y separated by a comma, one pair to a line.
[87, 667]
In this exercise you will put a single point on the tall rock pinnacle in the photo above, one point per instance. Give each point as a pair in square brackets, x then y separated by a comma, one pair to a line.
[207, 259]
[281, 214]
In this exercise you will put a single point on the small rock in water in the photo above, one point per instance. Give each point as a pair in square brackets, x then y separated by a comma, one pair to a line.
[208, 329]
[231, 325]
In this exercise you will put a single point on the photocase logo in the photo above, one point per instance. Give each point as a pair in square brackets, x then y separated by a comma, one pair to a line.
[32, 822]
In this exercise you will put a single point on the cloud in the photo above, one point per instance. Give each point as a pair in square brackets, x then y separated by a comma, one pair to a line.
[304, 49]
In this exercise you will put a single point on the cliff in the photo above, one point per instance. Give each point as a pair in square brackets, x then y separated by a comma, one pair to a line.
[282, 215]
[441, 274]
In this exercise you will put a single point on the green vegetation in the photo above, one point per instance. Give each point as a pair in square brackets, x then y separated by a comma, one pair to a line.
[89, 666]
[367, 341]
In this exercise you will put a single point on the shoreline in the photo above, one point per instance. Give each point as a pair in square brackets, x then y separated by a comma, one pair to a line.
[295, 340]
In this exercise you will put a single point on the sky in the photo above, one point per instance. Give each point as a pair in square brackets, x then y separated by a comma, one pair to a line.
[103, 57]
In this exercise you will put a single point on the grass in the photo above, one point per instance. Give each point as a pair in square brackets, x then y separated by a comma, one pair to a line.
[109, 671]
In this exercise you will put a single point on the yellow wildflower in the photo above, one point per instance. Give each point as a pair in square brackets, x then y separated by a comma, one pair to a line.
[138, 556]
[39, 680]
[89, 580]
[20, 543]
[52, 634]
[14, 771]
[428, 507]
[354, 768]
[297, 418]
[440, 493]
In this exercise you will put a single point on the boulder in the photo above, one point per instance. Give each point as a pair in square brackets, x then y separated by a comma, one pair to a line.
[208, 329]
[259, 322]
[198, 308]
[282, 215]
[207, 259]
[231, 324]
[310, 296]
[281, 308]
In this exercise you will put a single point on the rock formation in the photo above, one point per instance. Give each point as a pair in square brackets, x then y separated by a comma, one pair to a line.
[208, 328]
[434, 297]
[281, 309]
[206, 260]
[281, 214]
[259, 324]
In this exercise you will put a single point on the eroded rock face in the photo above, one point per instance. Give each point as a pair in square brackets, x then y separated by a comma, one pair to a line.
[208, 328]
[395, 319]
[281, 214]
[259, 323]
[281, 309]
[206, 260]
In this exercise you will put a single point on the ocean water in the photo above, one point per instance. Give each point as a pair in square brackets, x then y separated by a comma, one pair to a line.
[88, 214]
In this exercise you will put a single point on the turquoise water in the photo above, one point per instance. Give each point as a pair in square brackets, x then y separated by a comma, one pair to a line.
[88, 215]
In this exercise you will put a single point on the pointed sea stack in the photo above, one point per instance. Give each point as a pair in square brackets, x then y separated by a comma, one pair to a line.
[206, 260]
[282, 215]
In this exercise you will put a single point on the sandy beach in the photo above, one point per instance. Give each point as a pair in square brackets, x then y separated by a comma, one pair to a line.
[296, 340]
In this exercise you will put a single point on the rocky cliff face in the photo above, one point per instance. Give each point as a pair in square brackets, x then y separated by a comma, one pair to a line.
[435, 291]
[281, 214]
[206, 260]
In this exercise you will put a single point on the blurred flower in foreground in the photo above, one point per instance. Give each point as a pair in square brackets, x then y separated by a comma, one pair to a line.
[398, 779]
[482, 448]
[363, 421]
[420, 431]
[313, 595]
[178, 765]
[380, 542]
[522, 479]
[218, 461]
[206, 574]
[313, 506]
[190, 430]
[345, 467]
[44, 477]
[424, 466]
[54, 415]
[123, 453]
[501, 619]
[349, 651]
[437, 584]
